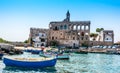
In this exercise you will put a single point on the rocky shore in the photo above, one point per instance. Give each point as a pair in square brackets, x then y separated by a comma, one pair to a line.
[9, 49]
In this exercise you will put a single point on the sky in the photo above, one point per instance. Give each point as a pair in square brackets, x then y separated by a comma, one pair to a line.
[18, 16]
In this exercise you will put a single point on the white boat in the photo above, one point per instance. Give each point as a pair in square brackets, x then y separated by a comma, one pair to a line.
[63, 56]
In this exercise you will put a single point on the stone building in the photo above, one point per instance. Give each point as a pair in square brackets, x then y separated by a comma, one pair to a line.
[70, 33]
[66, 32]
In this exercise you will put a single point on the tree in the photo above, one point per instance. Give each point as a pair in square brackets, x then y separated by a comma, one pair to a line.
[99, 29]
[54, 43]
[3, 41]
[26, 41]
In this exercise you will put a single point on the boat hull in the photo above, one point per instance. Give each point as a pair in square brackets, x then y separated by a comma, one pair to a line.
[30, 64]
[81, 52]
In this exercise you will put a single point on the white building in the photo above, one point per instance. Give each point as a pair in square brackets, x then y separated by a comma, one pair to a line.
[105, 37]
[40, 40]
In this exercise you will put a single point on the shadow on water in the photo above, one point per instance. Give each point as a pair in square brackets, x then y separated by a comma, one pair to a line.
[20, 69]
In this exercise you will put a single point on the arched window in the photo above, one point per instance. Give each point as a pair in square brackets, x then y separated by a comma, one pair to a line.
[52, 38]
[65, 26]
[56, 28]
[78, 27]
[87, 27]
[61, 27]
[74, 27]
[82, 27]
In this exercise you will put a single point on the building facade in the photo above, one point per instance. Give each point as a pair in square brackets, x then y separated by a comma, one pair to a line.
[68, 33]
[38, 37]
[105, 37]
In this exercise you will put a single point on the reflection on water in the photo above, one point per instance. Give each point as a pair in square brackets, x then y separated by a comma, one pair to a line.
[28, 70]
[78, 63]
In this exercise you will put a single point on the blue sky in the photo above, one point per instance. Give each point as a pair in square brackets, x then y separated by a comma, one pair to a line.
[17, 16]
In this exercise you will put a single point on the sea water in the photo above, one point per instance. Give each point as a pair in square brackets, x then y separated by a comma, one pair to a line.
[78, 63]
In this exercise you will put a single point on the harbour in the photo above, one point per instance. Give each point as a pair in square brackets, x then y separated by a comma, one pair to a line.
[59, 36]
[78, 63]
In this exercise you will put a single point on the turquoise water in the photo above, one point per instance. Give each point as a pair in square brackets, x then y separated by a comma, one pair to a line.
[78, 63]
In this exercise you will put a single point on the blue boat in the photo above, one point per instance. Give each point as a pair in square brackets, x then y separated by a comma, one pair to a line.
[33, 51]
[36, 51]
[30, 62]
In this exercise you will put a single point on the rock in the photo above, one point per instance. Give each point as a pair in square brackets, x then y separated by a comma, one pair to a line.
[9, 49]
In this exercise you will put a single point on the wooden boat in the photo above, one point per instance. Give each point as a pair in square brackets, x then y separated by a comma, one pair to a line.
[30, 62]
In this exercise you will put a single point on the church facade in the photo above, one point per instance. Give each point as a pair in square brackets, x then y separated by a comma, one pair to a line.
[70, 33]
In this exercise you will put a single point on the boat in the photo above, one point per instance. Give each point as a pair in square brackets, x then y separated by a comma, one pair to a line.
[59, 56]
[40, 62]
[81, 52]
[1, 55]
[36, 51]
[63, 56]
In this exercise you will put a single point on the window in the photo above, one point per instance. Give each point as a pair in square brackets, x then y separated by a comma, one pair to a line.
[52, 38]
[82, 38]
[78, 27]
[56, 37]
[61, 27]
[82, 27]
[74, 27]
[42, 35]
[73, 38]
[82, 33]
[36, 34]
[73, 33]
[42, 44]
[87, 27]
[56, 28]
[86, 38]
[107, 39]
[42, 40]
[65, 26]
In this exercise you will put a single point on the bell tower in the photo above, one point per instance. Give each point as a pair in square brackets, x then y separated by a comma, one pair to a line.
[68, 16]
